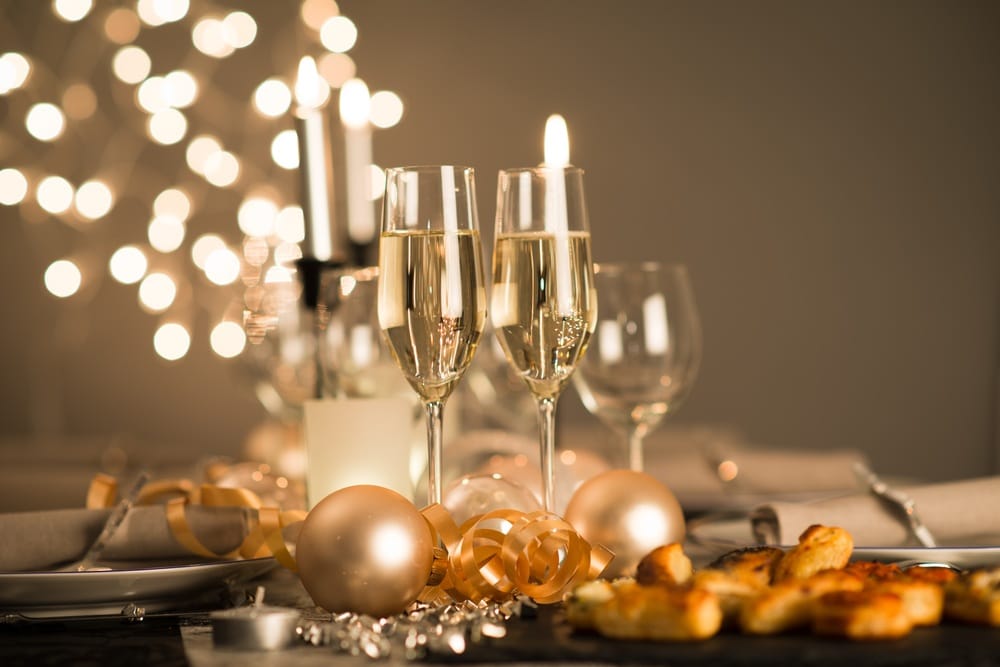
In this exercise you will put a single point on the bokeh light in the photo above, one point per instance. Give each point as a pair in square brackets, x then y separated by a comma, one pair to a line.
[94, 199]
[256, 216]
[209, 37]
[63, 278]
[172, 341]
[222, 169]
[13, 186]
[204, 246]
[228, 339]
[109, 84]
[222, 266]
[131, 64]
[79, 101]
[121, 25]
[54, 194]
[14, 71]
[240, 29]
[166, 233]
[272, 97]
[290, 224]
[157, 292]
[285, 150]
[386, 109]
[180, 89]
[128, 265]
[151, 95]
[200, 150]
[277, 275]
[45, 121]
[315, 12]
[72, 10]
[338, 34]
[168, 126]
[173, 202]
[336, 68]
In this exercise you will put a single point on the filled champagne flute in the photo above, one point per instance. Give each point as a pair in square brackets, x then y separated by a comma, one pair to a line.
[431, 288]
[543, 302]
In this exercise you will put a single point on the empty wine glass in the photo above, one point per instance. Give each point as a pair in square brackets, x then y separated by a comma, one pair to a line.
[645, 352]
[431, 288]
[353, 358]
[543, 303]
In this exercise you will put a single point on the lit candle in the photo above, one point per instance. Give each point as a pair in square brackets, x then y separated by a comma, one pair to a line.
[315, 165]
[556, 221]
[355, 109]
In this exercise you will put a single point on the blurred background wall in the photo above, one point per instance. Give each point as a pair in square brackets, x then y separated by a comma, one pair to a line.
[827, 170]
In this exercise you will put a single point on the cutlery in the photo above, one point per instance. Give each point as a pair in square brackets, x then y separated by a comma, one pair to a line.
[898, 501]
[111, 525]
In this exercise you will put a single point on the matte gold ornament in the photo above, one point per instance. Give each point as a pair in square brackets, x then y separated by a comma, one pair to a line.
[631, 513]
[365, 549]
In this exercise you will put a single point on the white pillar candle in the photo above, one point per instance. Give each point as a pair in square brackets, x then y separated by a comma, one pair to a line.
[355, 109]
[315, 164]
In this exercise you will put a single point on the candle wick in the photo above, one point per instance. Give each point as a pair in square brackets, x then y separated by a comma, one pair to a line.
[258, 598]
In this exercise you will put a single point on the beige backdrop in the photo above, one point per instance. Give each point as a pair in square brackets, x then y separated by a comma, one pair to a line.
[828, 170]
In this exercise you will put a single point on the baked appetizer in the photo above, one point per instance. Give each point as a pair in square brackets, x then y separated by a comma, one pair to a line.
[819, 548]
[665, 565]
[665, 613]
[974, 596]
[864, 615]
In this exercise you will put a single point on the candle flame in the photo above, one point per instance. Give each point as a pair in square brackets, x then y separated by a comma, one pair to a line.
[556, 141]
[355, 103]
[310, 88]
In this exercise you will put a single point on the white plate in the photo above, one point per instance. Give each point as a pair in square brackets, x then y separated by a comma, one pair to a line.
[723, 533]
[99, 593]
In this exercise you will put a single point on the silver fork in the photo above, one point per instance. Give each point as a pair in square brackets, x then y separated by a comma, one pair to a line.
[896, 500]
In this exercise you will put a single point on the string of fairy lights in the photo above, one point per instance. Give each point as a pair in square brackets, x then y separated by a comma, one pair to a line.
[133, 119]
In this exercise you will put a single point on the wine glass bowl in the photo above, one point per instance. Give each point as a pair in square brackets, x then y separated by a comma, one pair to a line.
[431, 288]
[542, 303]
[354, 360]
[646, 349]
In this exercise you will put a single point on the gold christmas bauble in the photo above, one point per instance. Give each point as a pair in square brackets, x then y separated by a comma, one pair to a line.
[631, 513]
[364, 549]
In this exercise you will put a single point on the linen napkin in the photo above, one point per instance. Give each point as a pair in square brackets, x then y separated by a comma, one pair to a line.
[716, 467]
[44, 540]
[958, 513]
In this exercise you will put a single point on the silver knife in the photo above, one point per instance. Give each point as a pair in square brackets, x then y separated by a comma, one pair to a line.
[114, 520]
[899, 502]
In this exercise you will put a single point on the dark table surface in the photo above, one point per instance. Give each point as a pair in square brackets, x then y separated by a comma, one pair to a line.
[543, 638]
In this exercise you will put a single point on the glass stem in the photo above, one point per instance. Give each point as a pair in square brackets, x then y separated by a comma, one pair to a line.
[635, 449]
[547, 431]
[435, 413]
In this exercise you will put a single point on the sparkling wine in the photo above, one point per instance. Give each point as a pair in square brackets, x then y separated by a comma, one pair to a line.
[544, 306]
[431, 305]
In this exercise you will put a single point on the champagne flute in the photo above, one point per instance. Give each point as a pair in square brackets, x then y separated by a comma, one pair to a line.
[431, 288]
[543, 303]
[645, 352]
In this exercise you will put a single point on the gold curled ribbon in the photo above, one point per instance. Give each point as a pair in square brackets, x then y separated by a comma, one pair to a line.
[264, 538]
[101, 492]
[265, 534]
[493, 555]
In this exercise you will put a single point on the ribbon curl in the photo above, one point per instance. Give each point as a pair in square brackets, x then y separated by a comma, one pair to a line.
[494, 555]
[265, 534]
